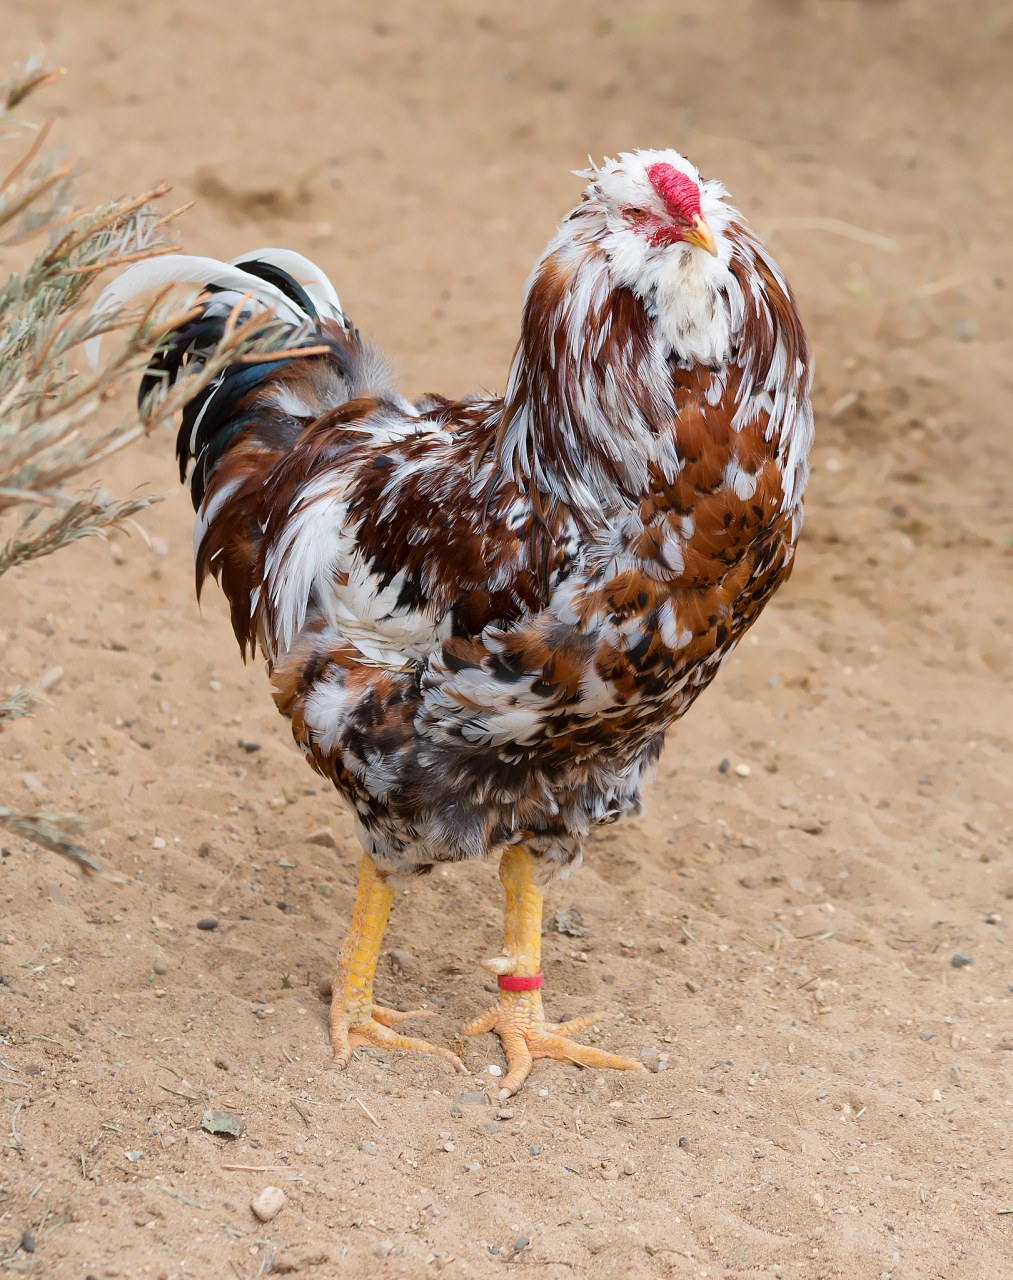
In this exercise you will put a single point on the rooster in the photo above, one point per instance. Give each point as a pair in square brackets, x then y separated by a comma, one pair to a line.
[482, 616]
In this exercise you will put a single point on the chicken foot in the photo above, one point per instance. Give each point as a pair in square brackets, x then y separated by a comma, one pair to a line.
[354, 1019]
[517, 1017]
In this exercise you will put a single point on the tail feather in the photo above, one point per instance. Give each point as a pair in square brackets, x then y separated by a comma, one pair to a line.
[236, 431]
[155, 273]
[274, 400]
[298, 268]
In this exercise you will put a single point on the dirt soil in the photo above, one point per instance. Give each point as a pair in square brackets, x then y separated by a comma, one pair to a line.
[779, 933]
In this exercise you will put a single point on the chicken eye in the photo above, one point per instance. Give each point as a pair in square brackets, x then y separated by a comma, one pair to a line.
[636, 215]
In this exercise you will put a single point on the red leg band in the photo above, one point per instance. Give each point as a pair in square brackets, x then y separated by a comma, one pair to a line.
[512, 982]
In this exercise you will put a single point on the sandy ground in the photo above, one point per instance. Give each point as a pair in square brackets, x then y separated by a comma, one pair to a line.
[837, 1095]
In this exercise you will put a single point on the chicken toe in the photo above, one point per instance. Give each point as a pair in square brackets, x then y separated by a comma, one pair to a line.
[354, 1019]
[518, 1017]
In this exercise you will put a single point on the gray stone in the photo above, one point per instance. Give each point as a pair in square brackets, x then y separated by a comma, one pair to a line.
[226, 1123]
[267, 1204]
[961, 961]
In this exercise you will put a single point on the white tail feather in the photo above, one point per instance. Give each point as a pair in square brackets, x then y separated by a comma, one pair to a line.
[307, 273]
[156, 272]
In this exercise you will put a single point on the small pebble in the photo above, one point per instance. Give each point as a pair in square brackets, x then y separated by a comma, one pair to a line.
[629, 1168]
[229, 1207]
[158, 843]
[50, 679]
[215, 686]
[693, 986]
[684, 1143]
[383, 1249]
[742, 770]
[159, 546]
[205, 850]
[610, 1175]
[324, 837]
[520, 1244]
[269, 1203]
[956, 1076]
[473, 1166]
[164, 707]
[31, 782]
[817, 1200]
[852, 1168]
[160, 967]
[367, 1148]
[27, 1242]
[504, 1113]
[402, 961]
[961, 961]
[493, 1070]
[534, 1151]
[724, 766]
[325, 890]
[207, 924]
[55, 894]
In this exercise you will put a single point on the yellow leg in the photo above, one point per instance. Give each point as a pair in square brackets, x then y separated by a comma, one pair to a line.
[354, 1018]
[517, 1017]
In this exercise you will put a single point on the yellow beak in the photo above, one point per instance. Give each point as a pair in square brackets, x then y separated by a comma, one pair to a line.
[700, 234]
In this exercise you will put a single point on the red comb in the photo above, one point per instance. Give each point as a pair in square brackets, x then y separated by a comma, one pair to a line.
[680, 194]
